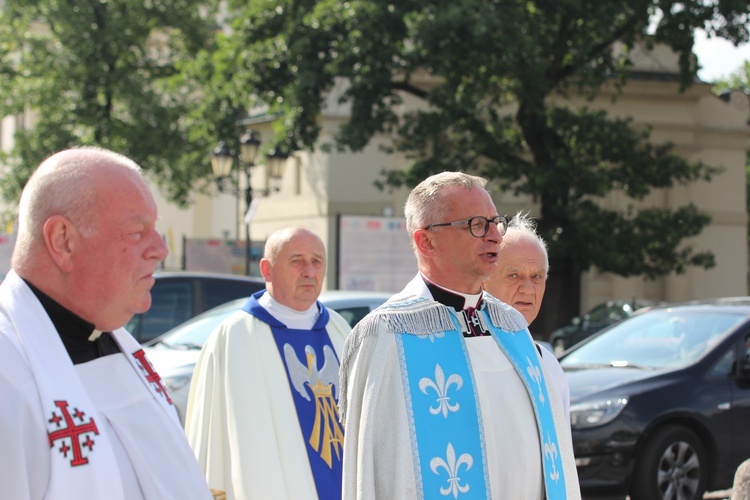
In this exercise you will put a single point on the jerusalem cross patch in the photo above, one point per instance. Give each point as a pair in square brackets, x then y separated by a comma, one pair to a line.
[68, 431]
[152, 377]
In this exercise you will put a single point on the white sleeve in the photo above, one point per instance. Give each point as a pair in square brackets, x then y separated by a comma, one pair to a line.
[557, 376]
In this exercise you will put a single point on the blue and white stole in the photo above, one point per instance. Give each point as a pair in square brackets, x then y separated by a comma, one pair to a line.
[445, 417]
[312, 370]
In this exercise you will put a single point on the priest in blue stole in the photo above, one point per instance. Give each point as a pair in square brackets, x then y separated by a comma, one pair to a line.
[444, 393]
[262, 413]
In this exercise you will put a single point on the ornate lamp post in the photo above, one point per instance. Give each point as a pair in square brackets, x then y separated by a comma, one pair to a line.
[222, 160]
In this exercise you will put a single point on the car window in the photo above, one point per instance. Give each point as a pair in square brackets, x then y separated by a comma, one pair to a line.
[170, 305]
[724, 367]
[217, 292]
[657, 339]
[597, 314]
[353, 315]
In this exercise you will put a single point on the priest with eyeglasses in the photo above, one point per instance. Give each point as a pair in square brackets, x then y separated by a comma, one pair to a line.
[444, 392]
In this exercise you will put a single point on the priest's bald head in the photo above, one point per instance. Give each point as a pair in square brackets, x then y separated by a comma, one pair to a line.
[87, 237]
[294, 265]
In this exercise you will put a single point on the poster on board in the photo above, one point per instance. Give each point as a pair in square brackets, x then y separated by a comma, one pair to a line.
[374, 254]
[221, 256]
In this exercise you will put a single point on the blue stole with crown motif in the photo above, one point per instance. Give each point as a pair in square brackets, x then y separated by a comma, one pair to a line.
[312, 369]
[445, 418]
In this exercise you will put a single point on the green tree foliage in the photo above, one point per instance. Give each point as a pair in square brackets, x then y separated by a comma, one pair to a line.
[105, 73]
[485, 72]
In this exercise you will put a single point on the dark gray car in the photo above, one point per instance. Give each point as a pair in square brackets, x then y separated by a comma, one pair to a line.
[178, 296]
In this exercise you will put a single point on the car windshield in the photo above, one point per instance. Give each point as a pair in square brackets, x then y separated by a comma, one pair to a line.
[668, 338]
[195, 332]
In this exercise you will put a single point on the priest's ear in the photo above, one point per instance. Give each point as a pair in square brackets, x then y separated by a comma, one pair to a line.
[265, 269]
[61, 239]
[424, 243]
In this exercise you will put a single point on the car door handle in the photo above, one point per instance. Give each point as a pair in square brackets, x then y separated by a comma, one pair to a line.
[724, 406]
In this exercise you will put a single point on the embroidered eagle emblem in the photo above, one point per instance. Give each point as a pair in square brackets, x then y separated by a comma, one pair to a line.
[327, 436]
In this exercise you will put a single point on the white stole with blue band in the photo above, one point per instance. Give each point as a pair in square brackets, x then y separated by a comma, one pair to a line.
[445, 419]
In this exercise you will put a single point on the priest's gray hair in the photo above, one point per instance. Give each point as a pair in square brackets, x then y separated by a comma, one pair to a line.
[64, 184]
[522, 225]
[425, 204]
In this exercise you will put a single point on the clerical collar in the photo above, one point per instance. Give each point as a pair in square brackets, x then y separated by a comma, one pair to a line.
[292, 318]
[451, 298]
[82, 341]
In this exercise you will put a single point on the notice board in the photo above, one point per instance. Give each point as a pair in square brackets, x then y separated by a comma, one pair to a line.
[374, 254]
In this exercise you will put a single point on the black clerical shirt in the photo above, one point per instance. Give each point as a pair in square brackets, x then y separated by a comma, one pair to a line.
[458, 302]
[75, 331]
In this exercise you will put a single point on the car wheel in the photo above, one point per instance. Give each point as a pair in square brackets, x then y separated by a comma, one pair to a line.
[672, 466]
[558, 347]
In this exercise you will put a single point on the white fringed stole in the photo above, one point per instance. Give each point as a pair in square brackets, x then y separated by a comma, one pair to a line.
[445, 419]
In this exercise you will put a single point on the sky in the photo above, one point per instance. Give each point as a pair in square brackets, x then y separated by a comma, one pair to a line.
[718, 57]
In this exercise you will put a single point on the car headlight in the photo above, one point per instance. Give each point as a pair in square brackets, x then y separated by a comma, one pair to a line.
[597, 412]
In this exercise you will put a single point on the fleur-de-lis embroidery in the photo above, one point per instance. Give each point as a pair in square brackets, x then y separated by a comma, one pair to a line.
[550, 453]
[536, 375]
[452, 467]
[441, 386]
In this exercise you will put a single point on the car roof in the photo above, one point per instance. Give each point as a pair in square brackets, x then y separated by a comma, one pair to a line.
[327, 295]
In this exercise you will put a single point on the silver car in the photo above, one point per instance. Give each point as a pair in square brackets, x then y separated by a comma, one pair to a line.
[175, 353]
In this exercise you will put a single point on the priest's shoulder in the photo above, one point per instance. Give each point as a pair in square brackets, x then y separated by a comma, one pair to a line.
[406, 314]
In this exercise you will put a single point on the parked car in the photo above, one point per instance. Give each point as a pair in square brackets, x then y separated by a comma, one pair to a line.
[601, 316]
[660, 402]
[178, 296]
[175, 353]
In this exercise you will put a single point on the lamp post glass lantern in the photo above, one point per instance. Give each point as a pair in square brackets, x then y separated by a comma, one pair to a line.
[275, 162]
[222, 160]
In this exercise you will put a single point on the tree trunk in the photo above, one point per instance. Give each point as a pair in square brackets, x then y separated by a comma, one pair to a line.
[562, 299]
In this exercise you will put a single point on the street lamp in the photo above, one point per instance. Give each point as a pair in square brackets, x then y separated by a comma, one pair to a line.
[222, 160]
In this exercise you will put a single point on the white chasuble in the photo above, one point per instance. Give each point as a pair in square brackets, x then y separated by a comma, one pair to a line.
[378, 456]
[96, 430]
[241, 419]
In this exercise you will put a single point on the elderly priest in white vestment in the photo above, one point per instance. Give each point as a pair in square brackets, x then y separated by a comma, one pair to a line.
[444, 392]
[262, 413]
[83, 413]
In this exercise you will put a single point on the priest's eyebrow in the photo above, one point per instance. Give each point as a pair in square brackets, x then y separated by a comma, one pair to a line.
[300, 254]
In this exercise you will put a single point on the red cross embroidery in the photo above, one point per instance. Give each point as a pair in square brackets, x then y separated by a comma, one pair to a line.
[73, 432]
[151, 375]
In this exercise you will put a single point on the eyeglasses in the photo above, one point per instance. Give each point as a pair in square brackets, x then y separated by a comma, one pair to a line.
[479, 226]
